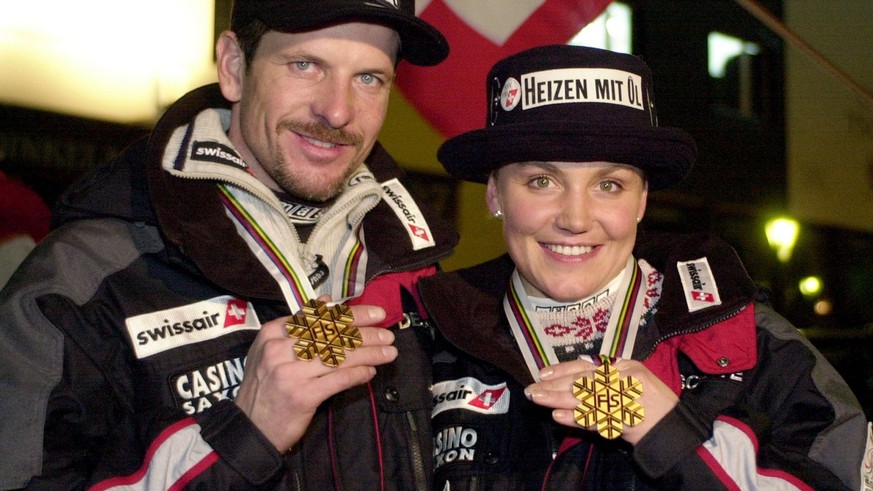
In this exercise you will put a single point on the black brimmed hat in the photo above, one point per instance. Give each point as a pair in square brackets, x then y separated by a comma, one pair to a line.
[573, 104]
[420, 43]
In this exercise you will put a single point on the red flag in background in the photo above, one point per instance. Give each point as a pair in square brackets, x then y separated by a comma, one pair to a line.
[451, 95]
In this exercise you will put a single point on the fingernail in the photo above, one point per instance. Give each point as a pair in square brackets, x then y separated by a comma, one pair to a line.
[375, 312]
[390, 351]
[546, 373]
[386, 336]
[532, 394]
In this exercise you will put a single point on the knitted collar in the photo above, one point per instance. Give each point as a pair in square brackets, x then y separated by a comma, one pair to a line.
[549, 332]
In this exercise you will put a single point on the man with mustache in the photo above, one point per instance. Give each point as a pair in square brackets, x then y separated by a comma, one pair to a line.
[146, 342]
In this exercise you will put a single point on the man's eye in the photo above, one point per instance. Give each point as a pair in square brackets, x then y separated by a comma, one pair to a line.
[303, 65]
[369, 79]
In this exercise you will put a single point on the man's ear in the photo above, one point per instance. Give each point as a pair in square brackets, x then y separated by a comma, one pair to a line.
[231, 66]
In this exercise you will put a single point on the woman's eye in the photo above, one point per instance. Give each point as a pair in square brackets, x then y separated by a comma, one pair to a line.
[541, 181]
[609, 186]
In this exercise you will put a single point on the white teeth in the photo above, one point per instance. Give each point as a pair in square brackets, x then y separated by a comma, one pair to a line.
[319, 143]
[570, 250]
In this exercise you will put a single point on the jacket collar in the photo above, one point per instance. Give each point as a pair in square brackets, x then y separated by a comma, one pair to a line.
[203, 234]
[467, 305]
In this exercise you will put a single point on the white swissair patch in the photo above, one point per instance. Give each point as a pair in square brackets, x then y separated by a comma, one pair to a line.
[157, 332]
[700, 289]
[470, 394]
[408, 213]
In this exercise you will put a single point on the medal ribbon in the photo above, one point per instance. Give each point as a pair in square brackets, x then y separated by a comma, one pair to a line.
[518, 311]
[624, 321]
[620, 335]
[258, 232]
[354, 267]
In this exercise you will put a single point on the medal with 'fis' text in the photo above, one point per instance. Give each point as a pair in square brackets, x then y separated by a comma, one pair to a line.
[608, 401]
[323, 332]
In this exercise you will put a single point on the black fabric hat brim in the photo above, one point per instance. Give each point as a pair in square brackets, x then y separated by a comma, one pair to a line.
[665, 155]
[421, 43]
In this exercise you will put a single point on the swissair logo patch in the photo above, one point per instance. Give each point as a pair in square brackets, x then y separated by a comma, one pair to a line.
[208, 151]
[699, 284]
[408, 213]
[160, 331]
[470, 394]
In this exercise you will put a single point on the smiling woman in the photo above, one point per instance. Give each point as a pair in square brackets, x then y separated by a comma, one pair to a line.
[571, 226]
[576, 349]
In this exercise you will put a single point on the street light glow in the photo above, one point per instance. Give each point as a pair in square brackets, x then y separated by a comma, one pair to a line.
[810, 286]
[782, 235]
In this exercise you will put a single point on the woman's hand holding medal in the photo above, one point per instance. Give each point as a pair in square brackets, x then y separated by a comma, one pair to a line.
[621, 398]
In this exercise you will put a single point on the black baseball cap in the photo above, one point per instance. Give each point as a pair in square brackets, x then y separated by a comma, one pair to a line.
[420, 42]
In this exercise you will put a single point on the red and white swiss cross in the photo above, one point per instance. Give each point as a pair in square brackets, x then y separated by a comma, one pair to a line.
[480, 35]
[470, 394]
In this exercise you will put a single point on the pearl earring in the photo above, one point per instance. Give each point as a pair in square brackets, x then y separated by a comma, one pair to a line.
[498, 214]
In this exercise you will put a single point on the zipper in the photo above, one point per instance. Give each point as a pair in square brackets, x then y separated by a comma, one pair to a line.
[699, 328]
[306, 249]
[550, 439]
[293, 464]
[298, 486]
[270, 201]
[413, 320]
[419, 475]
[412, 266]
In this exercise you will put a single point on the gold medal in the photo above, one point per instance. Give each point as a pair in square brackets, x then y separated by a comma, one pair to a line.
[608, 401]
[323, 332]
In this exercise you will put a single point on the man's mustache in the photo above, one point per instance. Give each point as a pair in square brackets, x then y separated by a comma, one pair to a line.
[321, 132]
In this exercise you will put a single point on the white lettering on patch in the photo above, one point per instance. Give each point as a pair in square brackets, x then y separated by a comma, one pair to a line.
[470, 394]
[216, 152]
[157, 332]
[200, 389]
[409, 214]
[699, 284]
[454, 444]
